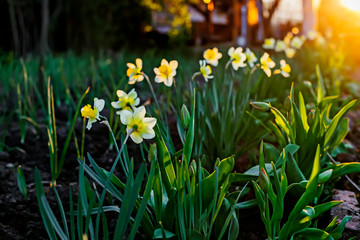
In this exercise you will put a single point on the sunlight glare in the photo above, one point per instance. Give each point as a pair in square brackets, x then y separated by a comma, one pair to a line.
[351, 4]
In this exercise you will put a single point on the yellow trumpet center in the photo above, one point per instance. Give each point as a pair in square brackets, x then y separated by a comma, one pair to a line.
[87, 111]
[165, 70]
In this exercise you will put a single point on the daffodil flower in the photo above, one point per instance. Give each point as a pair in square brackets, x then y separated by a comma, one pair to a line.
[280, 46]
[126, 101]
[138, 126]
[290, 52]
[93, 113]
[296, 42]
[212, 56]
[205, 70]
[251, 58]
[166, 72]
[285, 69]
[269, 43]
[266, 63]
[312, 35]
[287, 38]
[237, 58]
[134, 71]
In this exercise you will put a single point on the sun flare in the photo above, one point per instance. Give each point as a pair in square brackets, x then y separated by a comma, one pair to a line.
[351, 4]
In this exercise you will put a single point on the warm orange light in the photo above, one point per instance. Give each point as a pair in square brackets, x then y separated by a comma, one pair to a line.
[207, 1]
[351, 4]
[295, 30]
[210, 6]
[253, 15]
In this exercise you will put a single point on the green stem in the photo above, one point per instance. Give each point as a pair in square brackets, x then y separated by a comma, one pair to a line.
[154, 96]
[83, 140]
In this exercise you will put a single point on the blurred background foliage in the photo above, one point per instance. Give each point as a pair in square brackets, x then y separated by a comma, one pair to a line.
[78, 25]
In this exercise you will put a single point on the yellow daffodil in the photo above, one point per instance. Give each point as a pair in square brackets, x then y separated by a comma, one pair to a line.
[290, 52]
[166, 72]
[93, 113]
[285, 69]
[280, 46]
[126, 101]
[134, 71]
[212, 56]
[205, 70]
[269, 43]
[251, 58]
[237, 58]
[266, 63]
[287, 38]
[297, 42]
[141, 127]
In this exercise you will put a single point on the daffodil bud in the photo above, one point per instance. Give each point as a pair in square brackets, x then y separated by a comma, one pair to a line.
[260, 105]
[311, 116]
[185, 117]
[264, 180]
[308, 84]
[192, 168]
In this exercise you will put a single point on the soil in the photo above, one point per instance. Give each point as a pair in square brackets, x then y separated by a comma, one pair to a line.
[20, 218]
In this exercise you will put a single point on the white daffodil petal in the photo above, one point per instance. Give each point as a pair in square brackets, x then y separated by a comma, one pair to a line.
[116, 104]
[149, 122]
[173, 64]
[99, 104]
[148, 134]
[136, 137]
[139, 113]
[125, 116]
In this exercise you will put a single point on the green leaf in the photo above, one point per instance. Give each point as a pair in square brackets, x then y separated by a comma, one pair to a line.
[21, 181]
[189, 140]
[337, 232]
[306, 198]
[165, 164]
[321, 208]
[320, 86]
[224, 169]
[283, 123]
[162, 234]
[344, 168]
[302, 111]
[44, 214]
[146, 196]
[311, 234]
[334, 122]
[131, 193]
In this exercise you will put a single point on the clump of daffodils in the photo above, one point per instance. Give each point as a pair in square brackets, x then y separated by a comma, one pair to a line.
[266, 63]
[250, 57]
[284, 70]
[134, 71]
[237, 58]
[126, 101]
[138, 126]
[212, 56]
[166, 72]
[93, 114]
